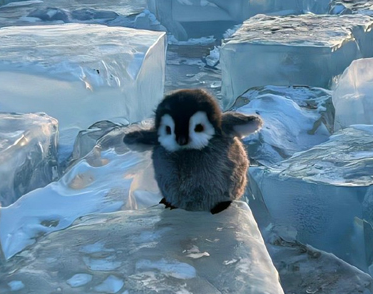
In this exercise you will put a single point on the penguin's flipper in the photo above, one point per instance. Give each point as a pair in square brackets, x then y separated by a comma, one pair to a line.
[167, 204]
[220, 207]
[147, 137]
[240, 125]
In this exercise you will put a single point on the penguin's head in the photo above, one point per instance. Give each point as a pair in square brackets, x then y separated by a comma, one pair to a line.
[187, 119]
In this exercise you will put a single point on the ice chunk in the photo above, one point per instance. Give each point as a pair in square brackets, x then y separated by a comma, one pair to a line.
[295, 119]
[353, 6]
[108, 179]
[111, 12]
[195, 18]
[293, 50]
[153, 246]
[81, 74]
[353, 95]
[28, 154]
[320, 193]
[314, 270]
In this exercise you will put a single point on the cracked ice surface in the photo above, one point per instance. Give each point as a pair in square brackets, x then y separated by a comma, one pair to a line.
[149, 250]
[292, 50]
[108, 179]
[295, 119]
[324, 194]
[353, 95]
[81, 74]
[28, 154]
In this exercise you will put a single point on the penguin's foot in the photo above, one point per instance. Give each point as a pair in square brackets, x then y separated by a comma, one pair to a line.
[167, 204]
[220, 207]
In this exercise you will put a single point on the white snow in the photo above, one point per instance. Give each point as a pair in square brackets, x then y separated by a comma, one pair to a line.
[292, 50]
[81, 74]
[16, 285]
[79, 280]
[295, 119]
[112, 284]
[172, 268]
[28, 154]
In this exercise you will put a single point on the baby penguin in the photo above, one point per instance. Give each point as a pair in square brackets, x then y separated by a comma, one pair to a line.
[199, 161]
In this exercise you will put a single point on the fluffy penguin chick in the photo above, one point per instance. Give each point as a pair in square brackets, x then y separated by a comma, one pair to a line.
[199, 160]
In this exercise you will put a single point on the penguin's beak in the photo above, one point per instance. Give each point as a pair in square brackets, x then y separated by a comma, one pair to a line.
[182, 140]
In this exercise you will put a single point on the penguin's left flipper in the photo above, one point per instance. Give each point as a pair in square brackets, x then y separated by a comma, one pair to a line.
[167, 204]
[220, 207]
[147, 137]
[240, 125]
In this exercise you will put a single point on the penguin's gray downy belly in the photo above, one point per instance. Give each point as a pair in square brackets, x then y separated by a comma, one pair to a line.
[200, 179]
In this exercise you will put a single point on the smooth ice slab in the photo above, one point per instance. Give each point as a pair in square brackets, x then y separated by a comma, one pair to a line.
[195, 18]
[150, 251]
[295, 119]
[109, 178]
[323, 194]
[353, 95]
[293, 50]
[28, 154]
[81, 74]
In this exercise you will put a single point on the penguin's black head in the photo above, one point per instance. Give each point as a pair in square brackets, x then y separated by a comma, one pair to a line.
[187, 119]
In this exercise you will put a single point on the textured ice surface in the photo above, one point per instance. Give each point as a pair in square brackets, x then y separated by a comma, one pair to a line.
[195, 18]
[28, 154]
[293, 50]
[81, 74]
[351, 6]
[109, 178]
[353, 95]
[295, 119]
[324, 194]
[304, 269]
[109, 12]
[151, 249]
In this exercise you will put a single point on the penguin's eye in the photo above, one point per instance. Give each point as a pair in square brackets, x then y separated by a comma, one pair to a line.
[198, 128]
[168, 130]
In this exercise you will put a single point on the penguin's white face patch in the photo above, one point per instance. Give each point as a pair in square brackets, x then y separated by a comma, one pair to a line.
[166, 133]
[200, 130]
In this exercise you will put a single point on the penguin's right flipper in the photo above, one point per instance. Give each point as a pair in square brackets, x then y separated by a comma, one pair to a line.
[147, 137]
[220, 207]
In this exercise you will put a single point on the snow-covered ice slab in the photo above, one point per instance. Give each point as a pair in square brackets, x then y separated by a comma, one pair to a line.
[109, 178]
[353, 95]
[195, 18]
[81, 74]
[150, 251]
[324, 194]
[295, 119]
[28, 154]
[292, 50]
